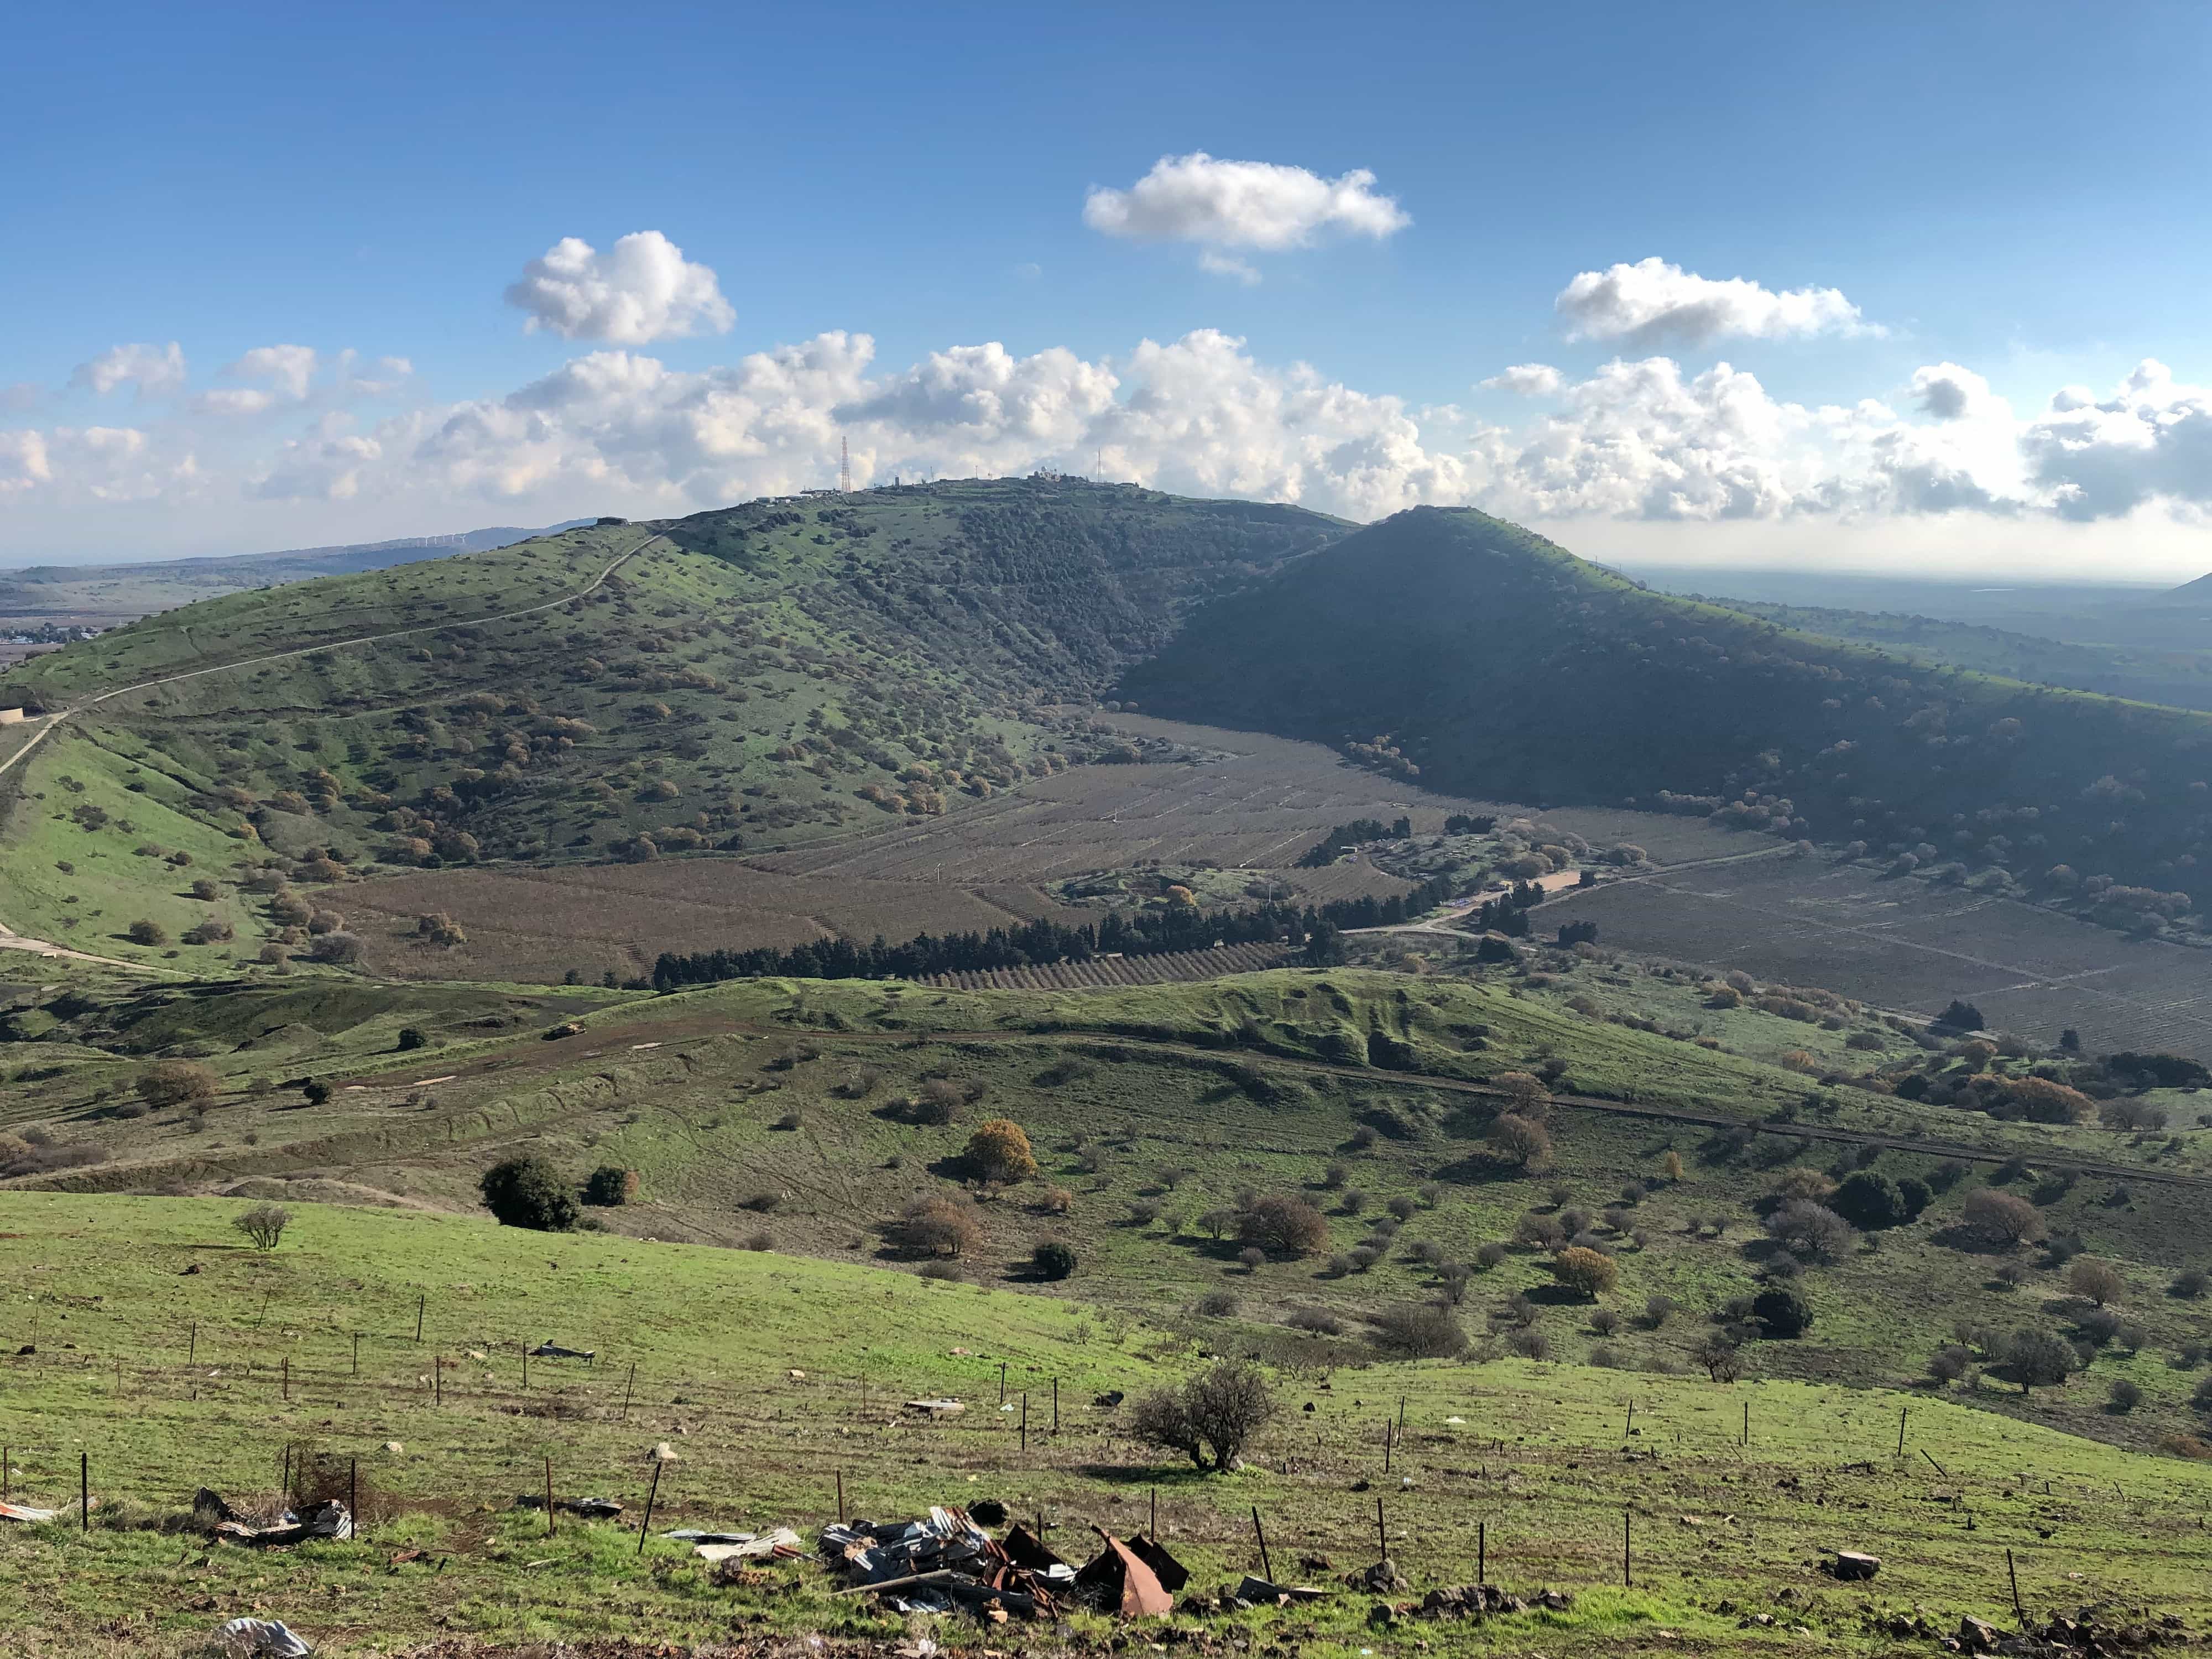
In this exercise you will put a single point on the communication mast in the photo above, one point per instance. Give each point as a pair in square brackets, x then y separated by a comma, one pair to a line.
[844, 466]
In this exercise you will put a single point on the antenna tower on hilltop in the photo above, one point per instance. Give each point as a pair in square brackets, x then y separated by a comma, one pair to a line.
[844, 466]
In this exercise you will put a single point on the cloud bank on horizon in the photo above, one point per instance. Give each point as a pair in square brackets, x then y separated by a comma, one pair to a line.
[1649, 436]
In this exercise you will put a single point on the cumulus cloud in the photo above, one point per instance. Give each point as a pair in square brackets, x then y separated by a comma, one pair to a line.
[153, 370]
[286, 372]
[1525, 381]
[94, 464]
[1652, 302]
[1247, 205]
[640, 290]
[1644, 440]
[2150, 439]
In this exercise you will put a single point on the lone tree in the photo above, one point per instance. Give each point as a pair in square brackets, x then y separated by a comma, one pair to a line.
[1283, 1224]
[177, 1082]
[147, 932]
[1525, 1094]
[2096, 1281]
[1588, 1274]
[1212, 1418]
[528, 1192]
[1870, 1200]
[1053, 1259]
[1961, 1016]
[2002, 1219]
[2039, 1356]
[1812, 1231]
[1520, 1141]
[263, 1224]
[999, 1150]
[609, 1184]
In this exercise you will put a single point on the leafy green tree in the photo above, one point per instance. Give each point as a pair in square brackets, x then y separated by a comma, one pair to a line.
[528, 1192]
[1782, 1312]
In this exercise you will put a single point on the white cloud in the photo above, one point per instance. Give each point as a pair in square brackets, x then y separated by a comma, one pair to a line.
[2150, 441]
[91, 465]
[153, 370]
[1249, 204]
[641, 289]
[1652, 302]
[1525, 381]
[1637, 442]
[1217, 263]
[288, 370]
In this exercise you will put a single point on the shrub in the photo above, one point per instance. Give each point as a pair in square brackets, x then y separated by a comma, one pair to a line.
[2190, 1283]
[1782, 1312]
[1811, 1230]
[2042, 1101]
[1869, 1199]
[1657, 1310]
[949, 1271]
[1950, 1361]
[938, 1103]
[527, 1192]
[1317, 1321]
[2038, 1357]
[1220, 1305]
[1588, 1274]
[1530, 1342]
[411, 1038]
[2201, 1397]
[263, 1224]
[609, 1185]
[1403, 1208]
[1605, 1322]
[760, 1241]
[999, 1150]
[2003, 1218]
[209, 930]
[1431, 1193]
[1252, 1258]
[1490, 1255]
[1520, 1141]
[936, 1224]
[1336, 1175]
[1352, 1201]
[1143, 1211]
[1722, 1358]
[1420, 1331]
[147, 932]
[1211, 1419]
[1283, 1224]
[1054, 1260]
[177, 1082]
[337, 948]
[1362, 1258]
[2096, 1281]
[2125, 1396]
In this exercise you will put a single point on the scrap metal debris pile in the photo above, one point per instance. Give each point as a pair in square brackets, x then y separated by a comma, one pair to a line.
[944, 1561]
[326, 1520]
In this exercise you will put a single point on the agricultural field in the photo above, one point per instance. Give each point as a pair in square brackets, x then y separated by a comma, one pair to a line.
[1910, 944]
[1671, 1512]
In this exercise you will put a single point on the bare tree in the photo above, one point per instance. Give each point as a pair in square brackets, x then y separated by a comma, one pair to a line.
[1212, 1418]
[263, 1224]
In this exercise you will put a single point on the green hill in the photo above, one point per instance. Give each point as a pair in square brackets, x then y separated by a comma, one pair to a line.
[779, 671]
[1482, 659]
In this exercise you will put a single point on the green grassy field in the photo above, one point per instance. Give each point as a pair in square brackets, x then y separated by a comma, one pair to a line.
[772, 1377]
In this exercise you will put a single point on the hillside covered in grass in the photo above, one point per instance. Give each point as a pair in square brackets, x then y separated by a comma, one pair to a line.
[1476, 656]
[773, 673]
[1673, 1121]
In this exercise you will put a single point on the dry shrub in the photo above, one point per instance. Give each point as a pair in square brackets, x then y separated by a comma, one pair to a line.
[938, 1225]
[1283, 1224]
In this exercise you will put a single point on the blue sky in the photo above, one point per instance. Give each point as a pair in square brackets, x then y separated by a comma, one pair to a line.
[2003, 201]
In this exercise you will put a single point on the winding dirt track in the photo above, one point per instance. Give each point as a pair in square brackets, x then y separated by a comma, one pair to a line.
[11, 940]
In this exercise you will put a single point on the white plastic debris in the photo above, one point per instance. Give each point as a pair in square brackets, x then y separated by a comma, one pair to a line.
[262, 1638]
